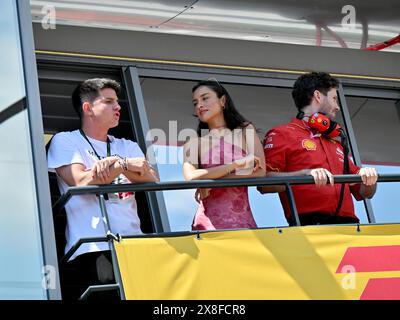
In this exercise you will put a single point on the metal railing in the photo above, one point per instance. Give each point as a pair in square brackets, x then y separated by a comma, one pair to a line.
[100, 190]
[220, 183]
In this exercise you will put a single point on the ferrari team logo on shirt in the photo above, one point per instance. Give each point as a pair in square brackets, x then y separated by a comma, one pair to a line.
[309, 145]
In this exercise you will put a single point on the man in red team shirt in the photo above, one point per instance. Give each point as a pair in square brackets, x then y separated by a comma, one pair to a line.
[295, 149]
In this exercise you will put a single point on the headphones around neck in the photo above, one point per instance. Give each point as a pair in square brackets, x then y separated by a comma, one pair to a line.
[322, 124]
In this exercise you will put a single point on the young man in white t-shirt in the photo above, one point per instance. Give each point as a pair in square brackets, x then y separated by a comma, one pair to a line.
[89, 156]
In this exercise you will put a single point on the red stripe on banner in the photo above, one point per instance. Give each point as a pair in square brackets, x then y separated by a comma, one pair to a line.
[382, 289]
[371, 259]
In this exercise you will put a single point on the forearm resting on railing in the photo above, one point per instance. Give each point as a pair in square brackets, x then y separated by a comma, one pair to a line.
[103, 172]
[259, 173]
[148, 176]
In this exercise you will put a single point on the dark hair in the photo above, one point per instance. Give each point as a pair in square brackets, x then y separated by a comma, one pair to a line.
[306, 84]
[232, 117]
[89, 90]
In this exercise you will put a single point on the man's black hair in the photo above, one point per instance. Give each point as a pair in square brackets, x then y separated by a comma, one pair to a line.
[306, 84]
[89, 90]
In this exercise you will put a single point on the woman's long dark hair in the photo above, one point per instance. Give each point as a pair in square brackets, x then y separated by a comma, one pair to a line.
[232, 117]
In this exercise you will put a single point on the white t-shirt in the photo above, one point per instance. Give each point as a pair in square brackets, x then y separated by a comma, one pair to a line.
[84, 217]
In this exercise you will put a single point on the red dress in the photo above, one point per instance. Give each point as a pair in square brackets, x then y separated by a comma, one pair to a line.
[223, 208]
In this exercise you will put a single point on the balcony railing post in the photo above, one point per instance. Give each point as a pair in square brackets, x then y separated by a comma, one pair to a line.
[292, 205]
[104, 214]
[111, 239]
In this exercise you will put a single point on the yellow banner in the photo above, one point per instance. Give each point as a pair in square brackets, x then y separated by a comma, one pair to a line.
[324, 262]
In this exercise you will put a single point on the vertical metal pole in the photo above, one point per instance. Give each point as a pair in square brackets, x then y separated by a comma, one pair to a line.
[292, 204]
[140, 124]
[114, 259]
[353, 146]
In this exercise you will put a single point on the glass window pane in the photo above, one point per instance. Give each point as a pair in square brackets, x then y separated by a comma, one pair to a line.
[21, 258]
[11, 71]
[376, 127]
[169, 108]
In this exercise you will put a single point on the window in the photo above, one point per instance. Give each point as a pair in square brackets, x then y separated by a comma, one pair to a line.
[376, 127]
[169, 108]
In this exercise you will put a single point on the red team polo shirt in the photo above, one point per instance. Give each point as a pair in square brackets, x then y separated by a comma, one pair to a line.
[295, 146]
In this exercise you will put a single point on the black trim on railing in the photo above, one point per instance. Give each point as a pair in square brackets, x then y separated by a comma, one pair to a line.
[98, 288]
[77, 244]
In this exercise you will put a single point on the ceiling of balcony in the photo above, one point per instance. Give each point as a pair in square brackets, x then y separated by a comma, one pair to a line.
[304, 22]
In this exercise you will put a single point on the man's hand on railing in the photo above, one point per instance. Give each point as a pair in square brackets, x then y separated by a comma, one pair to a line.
[139, 170]
[321, 176]
[369, 176]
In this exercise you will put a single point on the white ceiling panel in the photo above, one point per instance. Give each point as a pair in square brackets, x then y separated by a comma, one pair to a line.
[305, 22]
